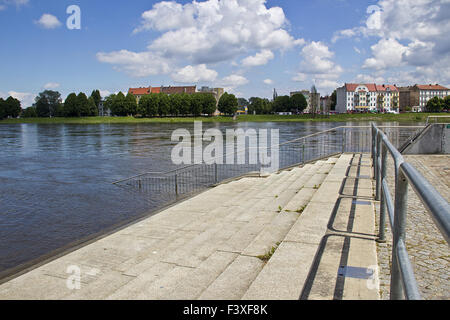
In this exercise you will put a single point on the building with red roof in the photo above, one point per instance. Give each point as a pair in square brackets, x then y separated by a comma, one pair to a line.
[369, 97]
[416, 97]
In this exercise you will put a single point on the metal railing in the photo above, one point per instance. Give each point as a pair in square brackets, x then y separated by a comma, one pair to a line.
[436, 118]
[196, 177]
[403, 282]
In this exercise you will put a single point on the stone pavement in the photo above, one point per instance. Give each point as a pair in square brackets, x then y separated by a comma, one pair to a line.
[428, 251]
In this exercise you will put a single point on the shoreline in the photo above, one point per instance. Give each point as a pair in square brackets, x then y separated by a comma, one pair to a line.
[406, 117]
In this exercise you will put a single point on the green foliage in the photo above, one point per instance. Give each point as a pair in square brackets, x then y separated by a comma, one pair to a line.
[259, 106]
[12, 107]
[83, 105]
[29, 112]
[333, 100]
[228, 104]
[209, 104]
[185, 104]
[196, 104]
[282, 104]
[298, 102]
[130, 107]
[175, 104]
[97, 98]
[242, 102]
[163, 105]
[47, 103]
[435, 104]
[93, 108]
[447, 103]
[118, 105]
[71, 106]
[149, 105]
[2, 109]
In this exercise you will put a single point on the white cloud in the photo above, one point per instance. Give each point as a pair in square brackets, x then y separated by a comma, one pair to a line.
[260, 59]
[234, 80]
[414, 34]
[48, 21]
[18, 3]
[268, 81]
[26, 99]
[387, 53]
[194, 74]
[142, 64]
[51, 85]
[212, 31]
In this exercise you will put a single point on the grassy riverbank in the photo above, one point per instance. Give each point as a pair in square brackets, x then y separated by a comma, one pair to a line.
[407, 117]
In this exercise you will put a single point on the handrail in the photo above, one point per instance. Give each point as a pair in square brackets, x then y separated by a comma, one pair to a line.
[435, 117]
[403, 282]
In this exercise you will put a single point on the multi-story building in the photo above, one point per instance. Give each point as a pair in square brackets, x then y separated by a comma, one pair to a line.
[216, 92]
[367, 98]
[415, 98]
[139, 92]
[313, 99]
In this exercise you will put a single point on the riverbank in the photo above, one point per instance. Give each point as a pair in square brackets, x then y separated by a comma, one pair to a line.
[406, 117]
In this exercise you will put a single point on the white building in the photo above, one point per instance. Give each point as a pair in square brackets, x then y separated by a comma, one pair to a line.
[367, 97]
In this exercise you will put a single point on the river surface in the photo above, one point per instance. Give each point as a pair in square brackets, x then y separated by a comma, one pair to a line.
[56, 180]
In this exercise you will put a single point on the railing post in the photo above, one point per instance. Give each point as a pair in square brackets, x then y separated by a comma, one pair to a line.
[176, 183]
[216, 176]
[401, 206]
[382, 236]
[344, 137]
[378, 162]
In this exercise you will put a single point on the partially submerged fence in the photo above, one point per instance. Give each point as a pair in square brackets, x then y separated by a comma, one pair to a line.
[192, 178]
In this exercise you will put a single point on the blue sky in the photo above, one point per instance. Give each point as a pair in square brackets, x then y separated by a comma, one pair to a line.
[247, 46]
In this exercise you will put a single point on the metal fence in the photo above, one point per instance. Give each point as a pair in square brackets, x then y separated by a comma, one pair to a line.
[403, 282]
[192, 178]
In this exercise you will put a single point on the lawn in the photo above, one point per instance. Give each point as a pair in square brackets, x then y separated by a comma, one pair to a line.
[406, 117]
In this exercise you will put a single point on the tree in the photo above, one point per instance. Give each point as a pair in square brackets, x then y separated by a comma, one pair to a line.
[130, 104]
[83, 105]
[93, 109]
[242, 102]
[282, 104]
[185, 104]
[176, 102]
[333, 100]
[197, 104]
[298, 102]
[209, 104]
[228, 104]
[435, 105]
[30, 113]
[97, 97]
[109, 102]
[447, 103]
[71, 106]
[2, 109]
[118, 105]
[12, 107]
[149, 105]
[47, 103]
[163, 105]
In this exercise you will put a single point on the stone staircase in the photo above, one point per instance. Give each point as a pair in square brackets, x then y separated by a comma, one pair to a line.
[253, 238]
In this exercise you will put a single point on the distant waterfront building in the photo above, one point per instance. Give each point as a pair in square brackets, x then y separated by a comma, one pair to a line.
[325, 104]
[139, 92]
[367, 97]
[416, 97]
[216, 92]
[312, 99]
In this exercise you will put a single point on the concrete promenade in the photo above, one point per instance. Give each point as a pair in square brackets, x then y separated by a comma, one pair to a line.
[308, 233]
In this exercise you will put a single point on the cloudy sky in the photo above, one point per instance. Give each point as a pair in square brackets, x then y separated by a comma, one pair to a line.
[249, 47]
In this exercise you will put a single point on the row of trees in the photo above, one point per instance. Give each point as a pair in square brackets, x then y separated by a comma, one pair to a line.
[49, 104]
[297, 104]
[160, 104]
[9, 108]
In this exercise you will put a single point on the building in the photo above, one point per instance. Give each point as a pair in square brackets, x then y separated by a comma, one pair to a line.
[325, 104]
[313, 99]
[367, 98]
[173, 90]
[139, 92]
[216, 92]
[415, 98]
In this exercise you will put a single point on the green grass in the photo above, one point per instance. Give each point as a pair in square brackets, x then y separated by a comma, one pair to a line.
[270, 253]
[406, 117]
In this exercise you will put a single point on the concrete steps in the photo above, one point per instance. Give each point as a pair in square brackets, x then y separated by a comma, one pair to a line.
[210, 246]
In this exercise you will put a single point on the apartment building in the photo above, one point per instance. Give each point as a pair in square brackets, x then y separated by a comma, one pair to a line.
[416, 97]
[367, 98]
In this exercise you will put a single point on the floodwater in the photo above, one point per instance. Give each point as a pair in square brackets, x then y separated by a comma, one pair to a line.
[56, 180]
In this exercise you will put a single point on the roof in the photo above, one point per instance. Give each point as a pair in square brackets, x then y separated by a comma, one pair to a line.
[431, 87]
[139, 91]
[173, 90]
[156, 90]
[351, 87]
